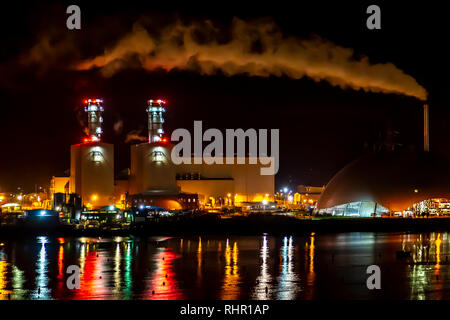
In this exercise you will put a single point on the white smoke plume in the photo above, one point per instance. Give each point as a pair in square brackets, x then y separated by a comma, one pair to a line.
[118, 126]
[255, 49]
[135, 135]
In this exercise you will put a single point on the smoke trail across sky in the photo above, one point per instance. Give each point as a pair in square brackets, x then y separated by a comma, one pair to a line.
[254, 48]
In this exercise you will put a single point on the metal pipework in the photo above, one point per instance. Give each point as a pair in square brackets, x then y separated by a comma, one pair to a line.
[94, 109]
[426, 129]
[155, 112]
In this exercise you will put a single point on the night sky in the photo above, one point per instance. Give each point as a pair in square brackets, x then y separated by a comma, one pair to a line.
[322, 127]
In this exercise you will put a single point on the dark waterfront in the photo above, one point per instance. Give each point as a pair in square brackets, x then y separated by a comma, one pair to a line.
[318, 266]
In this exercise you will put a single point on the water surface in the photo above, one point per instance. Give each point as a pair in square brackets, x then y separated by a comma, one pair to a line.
[317, 266]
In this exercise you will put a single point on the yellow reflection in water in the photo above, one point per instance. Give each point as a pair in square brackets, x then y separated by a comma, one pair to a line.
[311, 254]
[437, 267]
[438, 243]
[3, 280]
[424, 274]
[199, 260]
[230, 288]
[311, 275]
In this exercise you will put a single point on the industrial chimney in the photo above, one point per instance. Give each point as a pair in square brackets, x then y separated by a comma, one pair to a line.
[155, 111]
[94, 109]
[426, 129]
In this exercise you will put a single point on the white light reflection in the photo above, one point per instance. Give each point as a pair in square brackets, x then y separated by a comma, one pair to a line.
[288, 285]
[117, 272]
[264, 279]
[42, 292]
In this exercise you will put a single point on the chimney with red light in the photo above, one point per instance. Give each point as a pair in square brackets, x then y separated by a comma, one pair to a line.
[94, 109]
[155, 112]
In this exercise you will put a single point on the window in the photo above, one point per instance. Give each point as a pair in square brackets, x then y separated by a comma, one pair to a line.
[158, 156]
[97, 156]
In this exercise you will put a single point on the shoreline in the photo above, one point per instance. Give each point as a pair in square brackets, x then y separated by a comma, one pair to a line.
[251, 225]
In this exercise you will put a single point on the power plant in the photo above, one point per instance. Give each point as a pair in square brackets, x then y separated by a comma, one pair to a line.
[153, 179]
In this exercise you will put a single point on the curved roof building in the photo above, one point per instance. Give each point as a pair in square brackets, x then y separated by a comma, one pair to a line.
[386, 181]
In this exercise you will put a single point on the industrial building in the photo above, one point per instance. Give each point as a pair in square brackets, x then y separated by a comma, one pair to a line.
[92, 162]
[390, 183]
[153, 179]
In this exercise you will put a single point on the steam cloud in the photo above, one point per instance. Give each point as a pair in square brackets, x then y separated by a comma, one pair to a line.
[135, 135]
[118, 126]
[255, 49]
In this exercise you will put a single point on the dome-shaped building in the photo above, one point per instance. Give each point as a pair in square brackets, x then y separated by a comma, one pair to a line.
[386, 182]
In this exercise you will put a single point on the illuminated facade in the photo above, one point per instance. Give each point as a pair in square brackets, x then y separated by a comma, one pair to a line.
[92, 173]
[153, 178]
[92, 162]
[226, 184]
[357, 209]
[153, 172]
[59, 185]
[394, 183]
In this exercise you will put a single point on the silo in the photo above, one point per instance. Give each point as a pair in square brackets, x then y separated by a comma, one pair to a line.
[92, 173]
[92, 162]
[152, 170]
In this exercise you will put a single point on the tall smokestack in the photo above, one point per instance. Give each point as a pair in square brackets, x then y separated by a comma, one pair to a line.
[155, 112]
[94, 109]
[426, 129]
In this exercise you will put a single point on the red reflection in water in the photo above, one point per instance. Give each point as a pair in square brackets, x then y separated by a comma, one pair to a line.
[92, 286]
[61, 283]
[163, 282]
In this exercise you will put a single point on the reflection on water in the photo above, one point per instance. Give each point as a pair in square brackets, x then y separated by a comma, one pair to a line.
[230, 289]
[287, 281]
[42, 290]
[263, 268]
[264, 281]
